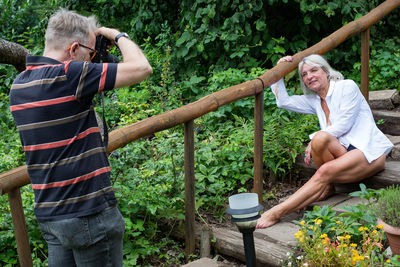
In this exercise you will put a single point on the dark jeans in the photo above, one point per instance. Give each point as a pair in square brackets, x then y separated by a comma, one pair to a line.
[94, 240]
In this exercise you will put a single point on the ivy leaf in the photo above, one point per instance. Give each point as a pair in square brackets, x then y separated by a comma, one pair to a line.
[211, 12]
[307, 19]
[185, 37]
[260, 25]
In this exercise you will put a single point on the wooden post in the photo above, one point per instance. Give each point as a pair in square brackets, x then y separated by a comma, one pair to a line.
[189, 190]
[365, 63]
[21, 234]
[258, 144]
[205, 242]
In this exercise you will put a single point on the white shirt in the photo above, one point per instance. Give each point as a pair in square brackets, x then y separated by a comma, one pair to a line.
[350, 116]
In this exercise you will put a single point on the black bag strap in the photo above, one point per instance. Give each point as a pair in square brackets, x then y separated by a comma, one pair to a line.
[105, 128]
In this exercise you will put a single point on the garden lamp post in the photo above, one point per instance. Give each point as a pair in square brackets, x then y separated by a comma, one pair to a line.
[244, 209]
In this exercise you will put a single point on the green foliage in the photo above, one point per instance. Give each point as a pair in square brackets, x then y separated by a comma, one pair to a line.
[195, 48]
[284, 136]
[354, 217]
[319, 249]
[385, 65]
[388, 205]
[8, 252]
[24, 22]
[353, 234]
[221, 34]
[11, 154]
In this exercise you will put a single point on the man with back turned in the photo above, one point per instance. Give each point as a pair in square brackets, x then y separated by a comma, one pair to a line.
[51, 102]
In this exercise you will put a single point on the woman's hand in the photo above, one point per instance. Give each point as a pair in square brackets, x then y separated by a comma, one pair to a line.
[307, 155]
[285, 59]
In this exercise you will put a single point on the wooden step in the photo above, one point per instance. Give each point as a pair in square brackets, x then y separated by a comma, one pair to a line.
[386, 110]
[388, 121]
[384, 99]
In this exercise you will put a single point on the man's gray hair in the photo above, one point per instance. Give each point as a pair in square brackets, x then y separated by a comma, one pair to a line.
[317, 61]
[67, 26]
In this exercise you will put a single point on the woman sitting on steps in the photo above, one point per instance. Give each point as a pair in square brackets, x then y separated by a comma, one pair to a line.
[348, 148]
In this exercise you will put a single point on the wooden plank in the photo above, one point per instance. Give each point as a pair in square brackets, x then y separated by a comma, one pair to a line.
[268, 253]
[189, 190]
[21, 234]
[365, 63]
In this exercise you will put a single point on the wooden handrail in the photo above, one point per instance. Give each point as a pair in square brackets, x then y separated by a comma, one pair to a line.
[118, 138]
[12, 180]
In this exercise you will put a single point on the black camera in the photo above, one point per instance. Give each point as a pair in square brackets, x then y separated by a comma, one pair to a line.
[102, 54]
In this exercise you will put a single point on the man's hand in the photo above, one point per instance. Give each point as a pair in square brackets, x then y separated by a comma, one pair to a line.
[108, 33]
[134, 68]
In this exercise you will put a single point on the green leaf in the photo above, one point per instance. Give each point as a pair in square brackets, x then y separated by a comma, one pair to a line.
[307, 19]
[260, 25]
[185, 37]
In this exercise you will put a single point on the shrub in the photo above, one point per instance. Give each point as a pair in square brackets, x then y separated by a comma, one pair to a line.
[320, 249]
[387, 207]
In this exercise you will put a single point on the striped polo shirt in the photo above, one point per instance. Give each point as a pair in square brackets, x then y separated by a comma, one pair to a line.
[51, 103]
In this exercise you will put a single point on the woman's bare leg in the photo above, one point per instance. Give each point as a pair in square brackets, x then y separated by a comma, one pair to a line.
[325, 147]
[350, 167]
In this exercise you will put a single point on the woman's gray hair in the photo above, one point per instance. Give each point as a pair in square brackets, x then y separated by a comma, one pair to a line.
[67, 26]
[317, 61]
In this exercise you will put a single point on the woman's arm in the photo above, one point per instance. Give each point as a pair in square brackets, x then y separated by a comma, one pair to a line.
[296, 103]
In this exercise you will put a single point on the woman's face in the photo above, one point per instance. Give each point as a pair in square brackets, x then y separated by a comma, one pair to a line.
[315, 78]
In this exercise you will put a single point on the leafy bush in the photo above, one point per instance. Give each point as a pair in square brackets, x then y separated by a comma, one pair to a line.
[385, 65]
[348, 239]
[221, 34]
[203, 48]
[11, 154]
[387, 206]
[338, 250]
[8, 254]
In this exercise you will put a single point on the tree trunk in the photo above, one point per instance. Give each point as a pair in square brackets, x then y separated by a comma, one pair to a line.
[13, 54]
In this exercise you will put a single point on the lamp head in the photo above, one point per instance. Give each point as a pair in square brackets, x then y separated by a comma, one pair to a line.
[244, 209]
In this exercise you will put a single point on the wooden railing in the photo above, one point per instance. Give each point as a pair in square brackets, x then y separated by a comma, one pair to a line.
[11, 181]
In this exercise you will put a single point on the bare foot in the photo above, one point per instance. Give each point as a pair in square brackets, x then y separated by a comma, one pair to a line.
[267, 219]
[329, 191]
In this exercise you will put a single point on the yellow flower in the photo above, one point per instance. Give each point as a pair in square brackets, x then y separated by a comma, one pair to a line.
[365, 228]
[388, 260]
[311, 227]
[340, 237]
[324, 235]
[333, 229]
[347, 237]
[338, 222]
[361, 229]
[298, 234]
[353, 245]
[318, 222]
[344, 245]
[380, 226]
[374, 232]
[302, 222]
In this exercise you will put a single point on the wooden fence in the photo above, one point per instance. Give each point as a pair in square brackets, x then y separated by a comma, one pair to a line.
[11, 181]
